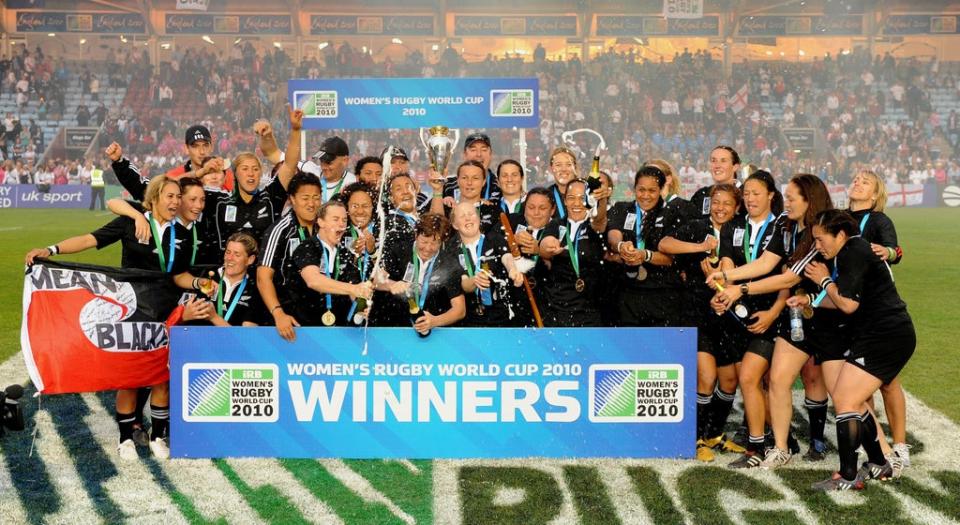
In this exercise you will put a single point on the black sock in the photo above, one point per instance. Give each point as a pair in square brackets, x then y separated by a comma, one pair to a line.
[143, 394]
[125, 423]
[870, 441]
[722, 403]
[817, 411]
[755, 444]
[703, 414]
[159, 421]
[792, 445]
[848, 441]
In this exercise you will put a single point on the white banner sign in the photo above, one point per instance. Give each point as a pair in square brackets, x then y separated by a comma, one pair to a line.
[682, 8]
[192, 5]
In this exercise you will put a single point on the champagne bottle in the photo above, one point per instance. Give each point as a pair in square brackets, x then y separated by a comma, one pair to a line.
[593, 181]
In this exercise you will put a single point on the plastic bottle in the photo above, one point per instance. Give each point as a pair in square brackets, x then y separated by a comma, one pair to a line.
[796, 323]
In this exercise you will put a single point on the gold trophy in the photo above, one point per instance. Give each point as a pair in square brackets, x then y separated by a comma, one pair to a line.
[439, 146]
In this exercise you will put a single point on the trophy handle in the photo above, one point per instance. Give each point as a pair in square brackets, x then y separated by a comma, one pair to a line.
[423, 141]
[456, 139]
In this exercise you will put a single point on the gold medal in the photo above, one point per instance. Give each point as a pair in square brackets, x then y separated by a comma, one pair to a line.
[580, 285]
[807, 312]
[641, 273]
[328, 318]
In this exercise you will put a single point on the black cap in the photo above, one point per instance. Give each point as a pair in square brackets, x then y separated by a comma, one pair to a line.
[476, 137]
[332, 148]
[398, 153]
[195, 133]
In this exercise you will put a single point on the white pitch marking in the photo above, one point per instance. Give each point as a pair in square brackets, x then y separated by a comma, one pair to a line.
[360, 486]
[261, 472]
[134, 490]
[75, 504]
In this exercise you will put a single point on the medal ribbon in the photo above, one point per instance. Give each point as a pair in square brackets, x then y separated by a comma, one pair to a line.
[165, 266]
[471, 267]
[573, 248]
[560, 208]
[336, 189]
[421, 297]
[863, 222]
[233, 302]
[750, 249]
[638, 227]
[326, 269]
[823, 293]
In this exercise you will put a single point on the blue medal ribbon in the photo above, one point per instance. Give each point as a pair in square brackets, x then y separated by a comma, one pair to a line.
[755, 247]
[425, 285]
[823, 293]
[638, 227]
[560, 208]
[863, 222]
[233, 302]
[326, 269]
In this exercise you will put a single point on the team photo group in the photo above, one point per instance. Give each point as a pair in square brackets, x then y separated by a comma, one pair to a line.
[779, 283]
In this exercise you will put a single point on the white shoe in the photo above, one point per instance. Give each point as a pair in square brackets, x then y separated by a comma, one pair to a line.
[897, 465]
[160, 448]
[128, 450]
[775, 458]
[902, 450]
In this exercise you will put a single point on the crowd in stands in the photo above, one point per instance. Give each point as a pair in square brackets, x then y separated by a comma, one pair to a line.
[879, 112]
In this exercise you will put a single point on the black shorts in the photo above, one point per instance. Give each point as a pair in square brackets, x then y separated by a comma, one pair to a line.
[761, 345]
[883, 353]
[826, 336]
[713, 339]
[651, 307]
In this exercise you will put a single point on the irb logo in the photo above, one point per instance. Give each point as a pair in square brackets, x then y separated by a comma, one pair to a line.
[632, 393]
[317, 104]
[231, 393]
[511, 102]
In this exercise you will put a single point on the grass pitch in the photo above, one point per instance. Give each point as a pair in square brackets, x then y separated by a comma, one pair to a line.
[74, 476]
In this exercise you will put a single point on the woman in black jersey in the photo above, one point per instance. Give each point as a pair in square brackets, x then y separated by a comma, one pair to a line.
[882, 334]
[529, 228]
[488, 270]
[573, 251]
[168, 250]
[724, 163]
[792, 240]
[361, 234]
[424, 280]
[717, 357]
[753, 322]
[329, 277]
[510, 178]
[868, 198]
[235, 300]
[564, 168]
[648, 280]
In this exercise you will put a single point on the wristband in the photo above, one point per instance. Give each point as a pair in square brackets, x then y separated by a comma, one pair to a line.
[54, 249]
[826, 281]
[744, 289]
[891, 254]
[619, 245]
[649, 256]
[196, 283]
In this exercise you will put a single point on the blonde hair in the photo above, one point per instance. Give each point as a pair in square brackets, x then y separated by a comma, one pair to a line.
[152, 194]
[245, 155]
[561, 150]
[881, 201]
[674, 187]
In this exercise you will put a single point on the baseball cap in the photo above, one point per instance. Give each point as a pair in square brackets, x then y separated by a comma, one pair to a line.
[196, 133]
[476, 137]
[331, 148]
[398, 152]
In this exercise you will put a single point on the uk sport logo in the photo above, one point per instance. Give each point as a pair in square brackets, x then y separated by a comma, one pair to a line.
[635, 393]
[231, 393]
